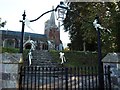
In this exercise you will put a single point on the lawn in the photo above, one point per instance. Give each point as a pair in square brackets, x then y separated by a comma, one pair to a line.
[77, 58]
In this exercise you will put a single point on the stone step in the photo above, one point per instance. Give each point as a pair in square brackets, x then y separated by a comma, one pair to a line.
[42, 58]
[43, 62]
[43, 65]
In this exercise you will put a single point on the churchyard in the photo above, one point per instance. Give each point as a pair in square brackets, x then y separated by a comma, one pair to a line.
[73, 59]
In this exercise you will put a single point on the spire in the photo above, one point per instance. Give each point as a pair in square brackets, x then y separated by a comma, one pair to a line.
[52, 18]
[51, 22]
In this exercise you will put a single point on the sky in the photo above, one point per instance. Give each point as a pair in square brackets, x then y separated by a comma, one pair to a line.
[12, 10]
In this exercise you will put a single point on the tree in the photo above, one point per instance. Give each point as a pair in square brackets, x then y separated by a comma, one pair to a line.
[74, 27]
[2, 24]
[82, 30]
[117, 24]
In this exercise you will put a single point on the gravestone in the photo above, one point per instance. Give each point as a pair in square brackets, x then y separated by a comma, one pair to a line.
[113, 59]
[9, 64]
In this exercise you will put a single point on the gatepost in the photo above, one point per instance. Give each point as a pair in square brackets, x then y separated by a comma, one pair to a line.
[113, 60]
[9, 65]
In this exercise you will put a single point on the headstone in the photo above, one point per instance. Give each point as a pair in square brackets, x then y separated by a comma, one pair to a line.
[9, 64]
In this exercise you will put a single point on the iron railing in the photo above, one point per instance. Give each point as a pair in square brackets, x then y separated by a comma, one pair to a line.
[62, 78]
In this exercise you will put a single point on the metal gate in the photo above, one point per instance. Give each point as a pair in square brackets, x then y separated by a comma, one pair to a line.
[62, 78]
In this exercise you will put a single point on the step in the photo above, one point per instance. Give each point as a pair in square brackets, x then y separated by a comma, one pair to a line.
[42, 58]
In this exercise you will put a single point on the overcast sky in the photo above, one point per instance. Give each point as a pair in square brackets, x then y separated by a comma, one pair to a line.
[12, 10]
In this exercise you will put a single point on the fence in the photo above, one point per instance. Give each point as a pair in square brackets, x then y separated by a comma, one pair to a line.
[48, 78]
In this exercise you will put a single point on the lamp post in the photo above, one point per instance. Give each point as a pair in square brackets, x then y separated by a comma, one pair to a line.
[97, 26]
[23, 22]
[22, 33]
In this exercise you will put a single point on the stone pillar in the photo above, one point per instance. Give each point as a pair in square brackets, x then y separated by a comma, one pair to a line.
[113, 59]
[9, 65]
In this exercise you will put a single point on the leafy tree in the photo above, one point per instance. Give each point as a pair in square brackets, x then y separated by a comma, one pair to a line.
[74, 26]
[82, 30]
[117, 25]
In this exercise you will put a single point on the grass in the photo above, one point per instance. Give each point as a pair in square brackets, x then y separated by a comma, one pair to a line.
[77, 58]
[14, 50]
[85, 61]
[74, 58]
[8, 50]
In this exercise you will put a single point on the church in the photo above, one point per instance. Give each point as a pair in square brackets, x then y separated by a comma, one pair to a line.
[50, 40]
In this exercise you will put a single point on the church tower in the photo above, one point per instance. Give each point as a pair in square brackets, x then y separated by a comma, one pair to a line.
[52, 31]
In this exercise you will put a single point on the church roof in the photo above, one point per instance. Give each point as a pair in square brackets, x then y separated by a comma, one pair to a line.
[17, 33]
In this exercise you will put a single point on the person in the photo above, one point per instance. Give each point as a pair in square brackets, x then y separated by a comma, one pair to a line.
[62, 57]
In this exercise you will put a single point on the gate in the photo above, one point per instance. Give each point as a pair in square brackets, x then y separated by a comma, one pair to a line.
[64, 78]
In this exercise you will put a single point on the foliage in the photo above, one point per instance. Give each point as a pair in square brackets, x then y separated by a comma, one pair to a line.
[14, 50]
[25, 54]
[79, 20]
[117, 27]
[9, 50]
[77, 58]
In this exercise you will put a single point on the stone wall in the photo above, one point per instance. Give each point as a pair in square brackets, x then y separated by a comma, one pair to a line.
[9, 65]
